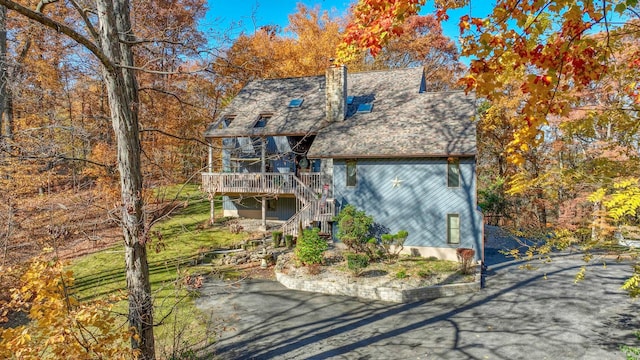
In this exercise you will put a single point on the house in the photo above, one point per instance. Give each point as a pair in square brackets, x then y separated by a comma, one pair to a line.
[299, 149]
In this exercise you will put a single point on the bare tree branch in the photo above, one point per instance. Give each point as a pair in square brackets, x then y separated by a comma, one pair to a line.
[175, 136]
[87, 22]
[61, 28]
[199, 70]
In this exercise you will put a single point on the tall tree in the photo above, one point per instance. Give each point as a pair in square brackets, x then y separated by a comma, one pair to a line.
[6, 115]
[311, 39]
[3, 66]
[420, 43]
[551, 41]
[109, 38]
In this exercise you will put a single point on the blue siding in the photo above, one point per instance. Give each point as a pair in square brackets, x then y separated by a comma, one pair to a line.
[419, 204]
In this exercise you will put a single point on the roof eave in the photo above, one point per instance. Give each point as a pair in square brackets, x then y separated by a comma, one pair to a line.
[259, 134]
[391, 156]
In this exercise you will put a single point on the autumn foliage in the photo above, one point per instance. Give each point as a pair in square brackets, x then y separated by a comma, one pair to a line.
[58, 325]
[558, 49]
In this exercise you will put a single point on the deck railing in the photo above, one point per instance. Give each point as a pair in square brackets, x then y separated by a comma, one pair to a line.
[267, 183]
[304, 194]
[315, 180]
[319, 212]
[311, 207]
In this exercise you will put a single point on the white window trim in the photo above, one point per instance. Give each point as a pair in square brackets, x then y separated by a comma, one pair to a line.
[449, 162]
[449, 242]
[346, 170]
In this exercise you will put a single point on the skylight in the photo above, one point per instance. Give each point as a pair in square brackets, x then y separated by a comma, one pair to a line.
[294, 103]
[365, 108]
[262, 121]
[349, 100]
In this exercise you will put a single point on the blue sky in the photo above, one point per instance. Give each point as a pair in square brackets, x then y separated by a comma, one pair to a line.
[223, 14]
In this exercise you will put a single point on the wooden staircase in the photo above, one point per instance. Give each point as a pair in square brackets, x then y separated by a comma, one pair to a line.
[309, 210]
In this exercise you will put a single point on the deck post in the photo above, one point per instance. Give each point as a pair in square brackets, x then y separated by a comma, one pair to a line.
[263, 169]
[210, 159]
[212, 208]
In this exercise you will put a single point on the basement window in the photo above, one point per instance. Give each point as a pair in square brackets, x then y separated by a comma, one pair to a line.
[295, 103]
[365, 108]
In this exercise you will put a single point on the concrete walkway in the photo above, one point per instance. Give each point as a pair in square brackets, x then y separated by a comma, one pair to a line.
[519, 315]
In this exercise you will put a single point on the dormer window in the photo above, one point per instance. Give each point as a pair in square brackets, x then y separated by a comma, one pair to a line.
[365, 108]
[295, 103]
[227, 119]
[262, 121]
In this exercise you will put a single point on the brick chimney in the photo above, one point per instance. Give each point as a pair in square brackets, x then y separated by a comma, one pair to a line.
[336, 92]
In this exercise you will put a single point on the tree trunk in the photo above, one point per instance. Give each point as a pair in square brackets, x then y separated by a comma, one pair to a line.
[6, 99]
[123, 102]
[3, 67]
[116, 57]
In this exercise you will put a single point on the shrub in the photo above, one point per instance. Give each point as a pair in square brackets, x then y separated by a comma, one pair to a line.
[374, 250]
[353, 228]
[631, 352]
[310, 247]
[401, 274]
[357, 262]
[314, 269]
[288, 241]
[235, 228]
[397, 240]
[386, 238]
[465, 258]
[277, 237]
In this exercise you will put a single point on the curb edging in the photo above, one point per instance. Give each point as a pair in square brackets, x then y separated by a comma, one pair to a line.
[378, 293]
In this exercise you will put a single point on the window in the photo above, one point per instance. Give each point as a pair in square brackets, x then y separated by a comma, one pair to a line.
[453, 173]
[294, 103]
[453, 228]
[365, 108]
[351, 173]
[262, 121]
[349, 100]
[226, 121]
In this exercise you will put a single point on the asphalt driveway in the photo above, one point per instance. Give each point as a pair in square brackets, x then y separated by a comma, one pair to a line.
[520, 314]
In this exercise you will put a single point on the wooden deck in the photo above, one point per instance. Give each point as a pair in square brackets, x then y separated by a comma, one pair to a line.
[259, 183]
[312, 208]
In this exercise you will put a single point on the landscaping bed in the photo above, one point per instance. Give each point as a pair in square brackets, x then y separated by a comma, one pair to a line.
[406, 280]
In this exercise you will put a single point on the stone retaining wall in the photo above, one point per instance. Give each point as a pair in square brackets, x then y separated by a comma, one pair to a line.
[378, 293]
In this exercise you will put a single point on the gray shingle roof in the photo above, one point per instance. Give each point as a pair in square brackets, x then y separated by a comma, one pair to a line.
[272, 97]
[404, 122]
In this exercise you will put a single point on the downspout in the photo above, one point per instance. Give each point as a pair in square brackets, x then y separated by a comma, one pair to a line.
[263, 169]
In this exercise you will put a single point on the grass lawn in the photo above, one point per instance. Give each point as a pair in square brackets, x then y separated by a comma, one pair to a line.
[176, 242]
